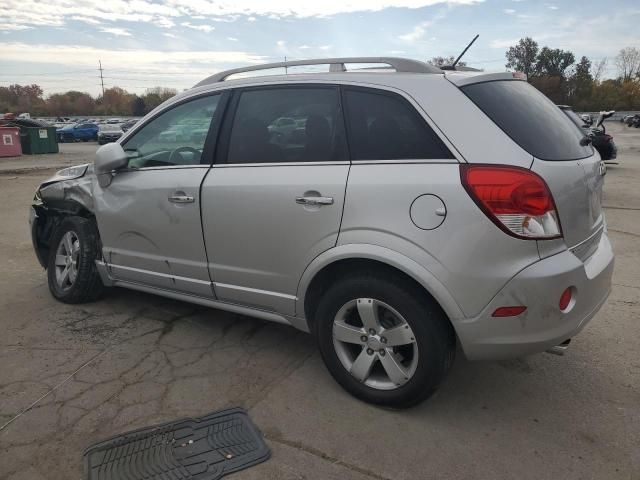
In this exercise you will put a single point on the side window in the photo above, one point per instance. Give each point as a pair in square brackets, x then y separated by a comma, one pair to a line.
[384, 126]
[176, 137]
[292, 124]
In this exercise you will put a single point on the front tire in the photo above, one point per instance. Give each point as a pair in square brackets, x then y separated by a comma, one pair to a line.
[71, 270]
[383, 339]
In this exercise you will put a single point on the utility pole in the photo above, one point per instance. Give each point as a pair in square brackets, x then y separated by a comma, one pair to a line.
[286, 71]
[101, 79]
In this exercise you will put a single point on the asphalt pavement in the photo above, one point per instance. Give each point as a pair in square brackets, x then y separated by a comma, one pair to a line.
[71, 375]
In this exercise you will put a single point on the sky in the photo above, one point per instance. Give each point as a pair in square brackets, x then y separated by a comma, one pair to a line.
[58, 44]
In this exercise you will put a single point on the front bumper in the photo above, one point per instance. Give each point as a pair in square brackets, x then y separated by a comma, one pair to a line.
[34, 224]
[539, 288]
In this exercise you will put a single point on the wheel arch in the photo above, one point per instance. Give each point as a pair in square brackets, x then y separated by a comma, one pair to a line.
[331, 263]
[48, 217]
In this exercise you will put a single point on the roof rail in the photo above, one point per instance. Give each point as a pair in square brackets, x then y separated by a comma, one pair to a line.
[335, 65]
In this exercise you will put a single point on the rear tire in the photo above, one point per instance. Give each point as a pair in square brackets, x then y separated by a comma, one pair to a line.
[71, 270]
[398, 375]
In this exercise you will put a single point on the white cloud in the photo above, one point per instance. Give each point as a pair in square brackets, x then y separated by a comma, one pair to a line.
[7, 27]
[161, 61]
[170, 35]
[503, 43]
[118, 32]
[251, 19]
[324, 47]
[202, 28]
[90, 20]
[552, 7]
[416, 34]
[232, 39]
[509, 11]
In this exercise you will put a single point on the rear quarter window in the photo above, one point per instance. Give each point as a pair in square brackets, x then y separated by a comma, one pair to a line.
[531, 120]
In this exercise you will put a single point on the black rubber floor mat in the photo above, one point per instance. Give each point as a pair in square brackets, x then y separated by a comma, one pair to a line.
[204, 448]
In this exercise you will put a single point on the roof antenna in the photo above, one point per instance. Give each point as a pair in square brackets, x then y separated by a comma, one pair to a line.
[453, 65]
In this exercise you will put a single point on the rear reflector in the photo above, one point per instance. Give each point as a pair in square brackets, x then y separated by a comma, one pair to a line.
[565, 299]
[515, 199]
[508, 311]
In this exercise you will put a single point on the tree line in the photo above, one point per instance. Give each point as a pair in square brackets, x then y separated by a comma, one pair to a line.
[115, 101]
[557, 74]
[553, 71]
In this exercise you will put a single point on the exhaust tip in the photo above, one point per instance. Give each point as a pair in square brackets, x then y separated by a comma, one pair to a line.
[560, 349]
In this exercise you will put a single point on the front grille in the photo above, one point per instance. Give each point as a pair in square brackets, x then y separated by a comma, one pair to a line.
[587, 248]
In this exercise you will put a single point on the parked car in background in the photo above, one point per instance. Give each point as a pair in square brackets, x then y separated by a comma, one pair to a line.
[600, 140]
[389, 230]
[128, 124]
[109, 133]
[114, 121]
[78, 132]
[633, 120]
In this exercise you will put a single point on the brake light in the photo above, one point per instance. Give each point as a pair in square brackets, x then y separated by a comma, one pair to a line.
[517, 200]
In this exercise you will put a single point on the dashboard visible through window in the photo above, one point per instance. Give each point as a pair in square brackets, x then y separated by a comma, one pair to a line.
[176, 137]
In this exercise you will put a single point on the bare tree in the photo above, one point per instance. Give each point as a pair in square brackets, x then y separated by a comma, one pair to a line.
[598, 69]
[628, 63]
[444, 61]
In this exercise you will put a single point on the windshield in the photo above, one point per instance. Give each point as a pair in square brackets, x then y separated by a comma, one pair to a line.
[531, 120]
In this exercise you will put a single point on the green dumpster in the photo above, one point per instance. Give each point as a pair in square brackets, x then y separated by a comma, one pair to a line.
[36, 140]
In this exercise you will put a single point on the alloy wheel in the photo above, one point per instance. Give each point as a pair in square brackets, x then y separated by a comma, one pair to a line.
[375, 344]
[67, 258]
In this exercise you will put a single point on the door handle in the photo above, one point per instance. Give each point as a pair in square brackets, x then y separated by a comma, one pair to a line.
[181, 197]
[314, 200]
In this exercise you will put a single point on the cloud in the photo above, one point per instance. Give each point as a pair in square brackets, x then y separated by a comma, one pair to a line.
[503, 43]
[160, 61]
[118, 32]
[170, 35]
[202, 28]
[90, 20]
[301, 9]
[509, 11]
[232, 39]
[552, 7]
[417, 33]
[7, 27]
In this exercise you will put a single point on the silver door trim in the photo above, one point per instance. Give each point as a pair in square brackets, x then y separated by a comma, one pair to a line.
[278, 164]
[254, 290]
[158, 274]
[407, 161]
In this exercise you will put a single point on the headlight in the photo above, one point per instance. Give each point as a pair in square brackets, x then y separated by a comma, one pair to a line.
[72, 172]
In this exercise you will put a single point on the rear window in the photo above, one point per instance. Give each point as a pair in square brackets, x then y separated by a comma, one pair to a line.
[530, 119]
[384, 126]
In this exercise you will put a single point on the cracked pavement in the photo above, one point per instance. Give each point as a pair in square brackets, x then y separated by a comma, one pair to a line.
[73, 375]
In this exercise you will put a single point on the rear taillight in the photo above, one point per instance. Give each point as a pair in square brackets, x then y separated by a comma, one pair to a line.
[515, 199]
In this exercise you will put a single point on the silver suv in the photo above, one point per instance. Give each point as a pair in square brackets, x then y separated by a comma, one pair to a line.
[400, 213]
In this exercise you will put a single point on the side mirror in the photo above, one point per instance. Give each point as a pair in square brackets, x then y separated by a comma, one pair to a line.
[109, 157]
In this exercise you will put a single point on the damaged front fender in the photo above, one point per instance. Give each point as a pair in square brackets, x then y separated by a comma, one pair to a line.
[69, 192]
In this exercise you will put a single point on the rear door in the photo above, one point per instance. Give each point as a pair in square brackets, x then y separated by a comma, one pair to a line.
[273, 201]
[572, 169]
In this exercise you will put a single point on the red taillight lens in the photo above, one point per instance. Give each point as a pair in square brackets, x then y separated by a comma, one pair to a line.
[515, 199]
[509, 311]
[565, 299]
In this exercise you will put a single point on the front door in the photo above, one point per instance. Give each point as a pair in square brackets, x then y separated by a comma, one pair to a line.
[149, 216]
[275, 202]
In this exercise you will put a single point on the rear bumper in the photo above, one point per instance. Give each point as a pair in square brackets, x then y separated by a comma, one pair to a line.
[539, 288]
